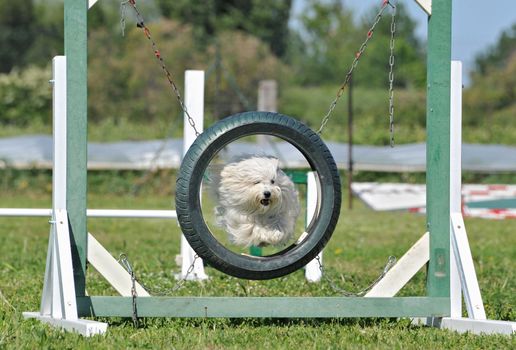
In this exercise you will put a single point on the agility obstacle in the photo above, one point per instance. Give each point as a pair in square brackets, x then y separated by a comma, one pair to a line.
[64, 302]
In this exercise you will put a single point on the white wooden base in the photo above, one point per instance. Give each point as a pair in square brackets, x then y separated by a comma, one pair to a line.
[86, 328]
[313, 271]
[463, 325]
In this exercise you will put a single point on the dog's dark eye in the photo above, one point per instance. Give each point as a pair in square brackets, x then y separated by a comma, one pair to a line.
[272, 181]
[256, 182]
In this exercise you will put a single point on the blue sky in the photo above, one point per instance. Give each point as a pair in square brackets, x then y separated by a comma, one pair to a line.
[477, 24]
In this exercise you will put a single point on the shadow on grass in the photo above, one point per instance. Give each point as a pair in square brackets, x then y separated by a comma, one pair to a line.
[146, 323]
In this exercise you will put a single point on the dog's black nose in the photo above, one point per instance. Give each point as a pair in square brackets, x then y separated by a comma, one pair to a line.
[267, 194]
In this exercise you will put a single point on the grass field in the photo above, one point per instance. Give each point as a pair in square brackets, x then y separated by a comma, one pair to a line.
[355, 256]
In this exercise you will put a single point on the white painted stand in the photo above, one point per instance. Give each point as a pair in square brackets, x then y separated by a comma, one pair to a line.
[194, 102]
[58, 303]
[462, 270]
[313, 271]
[463, 275]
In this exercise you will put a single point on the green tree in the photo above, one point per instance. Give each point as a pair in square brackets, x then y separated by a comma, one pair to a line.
[49, 29]
[409, 55]
[331, 39]
[490, 101]
[499, 54]
[17, 20]
[328, 40]
[266, 19]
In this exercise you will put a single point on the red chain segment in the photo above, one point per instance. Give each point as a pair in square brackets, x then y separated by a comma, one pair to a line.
[140, 23]
[358, 55]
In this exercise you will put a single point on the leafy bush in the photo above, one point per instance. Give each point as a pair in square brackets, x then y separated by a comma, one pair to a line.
[25, 96]
[125, 80]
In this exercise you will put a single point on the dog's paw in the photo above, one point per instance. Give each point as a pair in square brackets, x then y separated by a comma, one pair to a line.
[263, 236]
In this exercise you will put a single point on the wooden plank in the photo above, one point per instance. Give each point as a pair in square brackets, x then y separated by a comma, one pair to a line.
[455, 178]
[91, 3]
[399, 275]
[268, 307]
[438, 148]
[75, 44]
[111, 270]
[463, 325]
[466, 269]
[426, 5]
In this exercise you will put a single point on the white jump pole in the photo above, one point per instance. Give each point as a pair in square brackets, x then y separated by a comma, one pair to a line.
[455, 180]
[194, 102]
[58, 301]
[313, 271]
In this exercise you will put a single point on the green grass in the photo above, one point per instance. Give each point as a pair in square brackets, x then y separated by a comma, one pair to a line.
[354, 257]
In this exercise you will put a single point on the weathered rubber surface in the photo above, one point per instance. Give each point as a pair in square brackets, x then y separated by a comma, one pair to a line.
[188, 206]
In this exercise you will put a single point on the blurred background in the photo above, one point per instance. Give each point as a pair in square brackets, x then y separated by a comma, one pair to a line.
[305, 46]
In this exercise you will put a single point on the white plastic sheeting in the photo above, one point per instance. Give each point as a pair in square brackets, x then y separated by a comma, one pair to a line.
[485, 201]
[35, 151]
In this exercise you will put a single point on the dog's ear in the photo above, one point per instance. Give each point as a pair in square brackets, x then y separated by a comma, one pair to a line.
[275, 162]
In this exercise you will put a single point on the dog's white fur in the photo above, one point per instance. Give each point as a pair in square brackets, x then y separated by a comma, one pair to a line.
[257, 202]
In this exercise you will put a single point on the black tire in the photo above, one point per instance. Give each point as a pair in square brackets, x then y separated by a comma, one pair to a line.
[188, 205]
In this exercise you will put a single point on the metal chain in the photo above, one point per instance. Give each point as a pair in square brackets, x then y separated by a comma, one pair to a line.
[391, 77]
[123, 12]
[390, 263]
[127, 265]
[354, 64]
[140, 23]
[162, 291]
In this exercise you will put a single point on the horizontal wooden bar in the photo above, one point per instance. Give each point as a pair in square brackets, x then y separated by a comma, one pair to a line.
[266, 307]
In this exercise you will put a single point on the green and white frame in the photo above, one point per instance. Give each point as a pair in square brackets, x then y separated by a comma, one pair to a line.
[437, 303]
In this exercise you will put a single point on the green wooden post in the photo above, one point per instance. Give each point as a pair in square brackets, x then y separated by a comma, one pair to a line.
[438, 147]
[75, 28]
[438, 207]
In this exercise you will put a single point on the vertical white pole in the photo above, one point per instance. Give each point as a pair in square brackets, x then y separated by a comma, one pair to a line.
[455, 179]
[462, 271]
[59, 132]
[58, 299]
[313, 271]
[194, 102]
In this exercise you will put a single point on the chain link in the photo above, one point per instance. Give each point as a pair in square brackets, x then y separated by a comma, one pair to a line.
[123, 10]
[390, 263]
[391, 77]
[354, 64]
[140, 23]
[127, 265]
[164, 291]
[124, 261]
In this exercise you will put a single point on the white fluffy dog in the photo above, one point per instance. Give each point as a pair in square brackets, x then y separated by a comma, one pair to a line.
[257, 203]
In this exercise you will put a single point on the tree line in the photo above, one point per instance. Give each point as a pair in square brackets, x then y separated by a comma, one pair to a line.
[237, 43]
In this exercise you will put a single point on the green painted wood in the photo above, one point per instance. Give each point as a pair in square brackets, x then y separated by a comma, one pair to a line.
[501, 203]
[75, 40]
[438, 147]
[268, 307]
[255, 251]
[438, 302]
